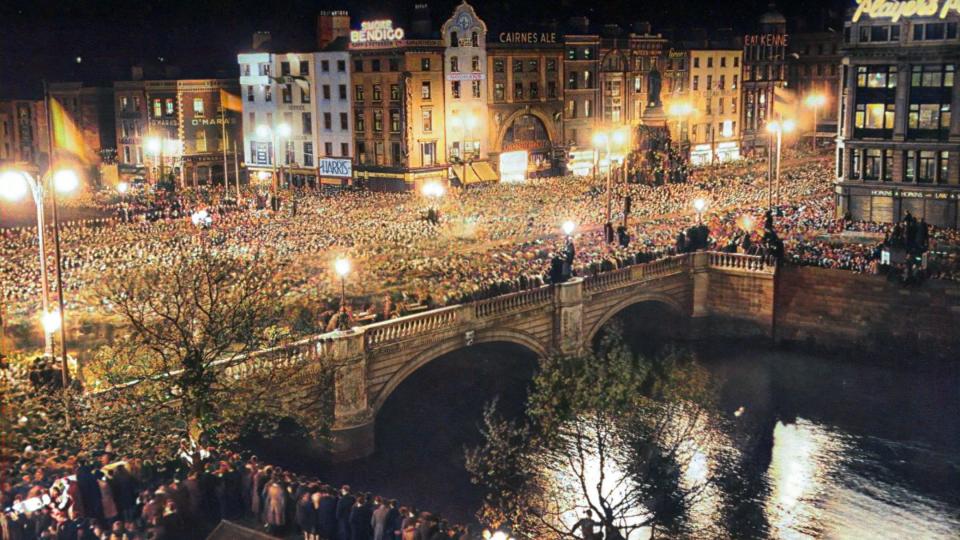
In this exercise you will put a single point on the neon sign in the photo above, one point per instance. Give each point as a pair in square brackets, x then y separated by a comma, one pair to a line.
[895, 10]
[376, 32]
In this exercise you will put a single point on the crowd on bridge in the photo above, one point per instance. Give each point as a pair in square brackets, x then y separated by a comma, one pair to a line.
[483, 240]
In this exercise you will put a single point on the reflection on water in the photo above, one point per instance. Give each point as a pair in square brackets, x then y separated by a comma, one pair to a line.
[824, 448]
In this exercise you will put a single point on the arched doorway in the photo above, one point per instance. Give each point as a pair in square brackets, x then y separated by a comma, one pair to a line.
[526, 148]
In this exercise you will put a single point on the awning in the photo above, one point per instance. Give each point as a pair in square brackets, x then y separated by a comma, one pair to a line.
[485, 171]
[466, 174]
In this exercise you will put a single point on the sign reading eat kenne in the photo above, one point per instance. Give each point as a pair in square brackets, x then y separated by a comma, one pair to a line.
[894, 10]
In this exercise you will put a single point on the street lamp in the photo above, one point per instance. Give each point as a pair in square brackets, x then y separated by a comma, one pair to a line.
[699, 204]
[342, 267]
[680, 111]
[122, 188]
[154, 145]
[777, 128]
[14, 185]
[266, 132]
[815, 101]
[602, 140]
[568, 227]
[51, 321]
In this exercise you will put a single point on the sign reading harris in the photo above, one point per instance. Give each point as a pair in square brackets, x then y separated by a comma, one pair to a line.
[894, 10]
[528, 38]
[339, 168]
[375, 33]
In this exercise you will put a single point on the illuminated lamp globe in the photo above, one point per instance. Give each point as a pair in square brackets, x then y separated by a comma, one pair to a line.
[123, 187]
[51, 321]
[342, 266]
[13, 185]
[568, 227]
[65, 181]
[699, 204]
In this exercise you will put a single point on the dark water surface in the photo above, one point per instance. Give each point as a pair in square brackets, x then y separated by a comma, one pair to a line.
[840, 449]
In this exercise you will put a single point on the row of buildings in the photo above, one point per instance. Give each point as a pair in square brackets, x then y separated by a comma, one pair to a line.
[390, 105]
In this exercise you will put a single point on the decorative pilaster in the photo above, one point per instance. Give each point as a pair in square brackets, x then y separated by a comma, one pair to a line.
[352, 435]
[569, 317]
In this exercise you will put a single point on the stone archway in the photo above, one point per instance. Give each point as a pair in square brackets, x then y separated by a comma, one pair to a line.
[451, 345]
[543, 116]
[669, 302]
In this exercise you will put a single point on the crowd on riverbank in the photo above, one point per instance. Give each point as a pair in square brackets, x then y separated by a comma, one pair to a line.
[106, 495]
[488, 239]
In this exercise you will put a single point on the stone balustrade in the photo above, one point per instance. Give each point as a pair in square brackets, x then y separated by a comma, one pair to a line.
[383, 333]
[739, 261]
[513, 302]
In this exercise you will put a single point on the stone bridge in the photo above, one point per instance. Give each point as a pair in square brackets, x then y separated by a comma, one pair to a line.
[710, 290]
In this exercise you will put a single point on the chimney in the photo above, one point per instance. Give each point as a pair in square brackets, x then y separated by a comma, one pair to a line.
[332, 25]
[261, 38]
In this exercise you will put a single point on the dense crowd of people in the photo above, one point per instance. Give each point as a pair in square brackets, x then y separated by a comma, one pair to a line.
[477, 242]
[108, 496]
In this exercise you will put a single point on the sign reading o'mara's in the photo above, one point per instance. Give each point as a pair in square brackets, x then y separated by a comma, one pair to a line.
[896, 10]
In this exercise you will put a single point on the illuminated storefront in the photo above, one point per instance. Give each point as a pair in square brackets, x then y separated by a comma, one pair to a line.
[899, 147]
[513, 166]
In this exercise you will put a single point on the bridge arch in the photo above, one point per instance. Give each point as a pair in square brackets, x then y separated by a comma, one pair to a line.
[669, 301]
[430, 354]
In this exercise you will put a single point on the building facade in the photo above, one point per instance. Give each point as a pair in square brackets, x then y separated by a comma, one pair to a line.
[23, 132]
[525, 104]
[899, 144]
[764, 74]
[715, 101]
[297, 115]
[91, 110]
[131, 125]
[464, 38]
[676, 96]
[208, 131]
[581, 96]
[625, 65]
[814, 70]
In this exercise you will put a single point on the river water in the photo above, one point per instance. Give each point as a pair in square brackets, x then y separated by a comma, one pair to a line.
[843, 449]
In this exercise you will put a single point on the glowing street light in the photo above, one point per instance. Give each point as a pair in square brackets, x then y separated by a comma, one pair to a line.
[778, 128]
[122, 188]
[815, 101]
[13, 185]
[680, 111]
[619, 137]
[342, 267]
[432, 190]
[699, 204]
[65, 181]
[51, 321]
[568, 227]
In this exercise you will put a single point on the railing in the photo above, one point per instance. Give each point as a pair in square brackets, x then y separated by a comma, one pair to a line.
[739, 261]
[663, 267]
[608, 280]
[513, 301]
[382, 333]
[278, 357]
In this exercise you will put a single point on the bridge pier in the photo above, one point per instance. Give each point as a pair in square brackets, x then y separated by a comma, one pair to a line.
[569, 317]
[352, 433]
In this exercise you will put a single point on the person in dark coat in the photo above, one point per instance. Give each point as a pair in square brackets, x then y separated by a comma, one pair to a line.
[89, 492]
[360, 517]
[394, 521]
[305, 516]
[344, 505]
[326, 516]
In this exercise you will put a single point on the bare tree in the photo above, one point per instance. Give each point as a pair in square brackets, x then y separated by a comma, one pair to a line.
[610, 433]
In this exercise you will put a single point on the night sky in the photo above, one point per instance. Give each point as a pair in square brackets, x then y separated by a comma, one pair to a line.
[43, 38]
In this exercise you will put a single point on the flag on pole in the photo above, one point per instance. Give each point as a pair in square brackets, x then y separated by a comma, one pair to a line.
[230, 102]
[785, 103]
[68, 140]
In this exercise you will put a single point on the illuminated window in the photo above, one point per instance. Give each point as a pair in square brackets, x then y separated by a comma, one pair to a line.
[394, 121]
[305, 95]
[394, 92]
[910, 166]
[424, 64]
[198, 106]
[927, 166]
[377, 121]
[427, 120]
[169, 107]
[377, 93]
[286, 93]
[425, 90]
[498, 91]
[874, 116]
[358, 122]
[498, 66]
[158, 108]
[358, 92]
[475, 85]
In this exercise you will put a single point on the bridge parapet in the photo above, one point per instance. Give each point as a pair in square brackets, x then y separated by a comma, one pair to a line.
[386, 332]
[740, 261]
[513, 302]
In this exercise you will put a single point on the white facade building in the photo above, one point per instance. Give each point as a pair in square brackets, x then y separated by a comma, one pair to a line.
[464, 37]
[296, 106]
